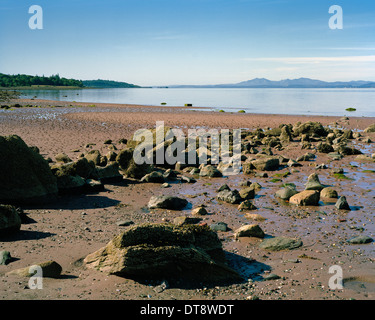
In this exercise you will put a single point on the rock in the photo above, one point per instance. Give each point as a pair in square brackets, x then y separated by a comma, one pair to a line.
[200, 211]
[10, 221]
[94, 156]
[306, 157]
[124, 223]
[181, 221]
[335, 155]
[247, 193]
[370, 128]
[50, 269]
[342, 204]
[165, 185]
[167, 202]
[223, 187]
[25, 177]
[305, 198]
[348, 151]
[271, 276]
[364, 157]
[62, 157]
[280, 243]
[5, 257]
[313, 183]
[109, 173]
[246, 205]
[328, 193]
[82, 167]
[154, 177]
[130, 168]
[93, 186]
[255, 217]
[286, 193]
[266, 164]
[252, 230]
[70, 184]
[229, 196]
[310, 128]
[209, 171]
[219, 226]
[293, 163]
[164, 251]
[324, 147]
[360, 240]
[187, 179]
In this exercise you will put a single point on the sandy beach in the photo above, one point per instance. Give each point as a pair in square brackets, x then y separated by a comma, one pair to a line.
[74, 226]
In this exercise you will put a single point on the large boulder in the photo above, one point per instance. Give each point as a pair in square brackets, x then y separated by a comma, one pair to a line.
[10, 221]
[25, 177]
[313, 183]
[164, 251]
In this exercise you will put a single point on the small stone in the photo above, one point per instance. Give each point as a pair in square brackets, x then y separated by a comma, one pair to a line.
[342, 204]
[360, 240]
[219, 226]
[328, 193]
[200, 211]
[124, 223]
[271, 276]
[252, 230]
[246, 205]
[5, 257]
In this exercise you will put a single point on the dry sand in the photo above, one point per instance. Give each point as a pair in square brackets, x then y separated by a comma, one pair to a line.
[74, 226]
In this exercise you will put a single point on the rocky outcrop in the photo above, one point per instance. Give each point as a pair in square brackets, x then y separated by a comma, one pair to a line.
[164, 251]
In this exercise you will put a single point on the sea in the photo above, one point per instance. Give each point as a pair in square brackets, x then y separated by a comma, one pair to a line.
[286, 101]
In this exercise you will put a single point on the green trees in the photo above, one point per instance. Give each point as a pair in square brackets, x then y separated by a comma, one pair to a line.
[23, 80]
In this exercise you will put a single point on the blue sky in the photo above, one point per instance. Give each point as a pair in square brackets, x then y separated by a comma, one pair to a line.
[165, 42]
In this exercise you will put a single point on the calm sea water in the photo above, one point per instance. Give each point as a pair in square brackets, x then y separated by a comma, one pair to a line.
[270, 101]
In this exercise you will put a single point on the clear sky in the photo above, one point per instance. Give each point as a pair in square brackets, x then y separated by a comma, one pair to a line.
[166, 42]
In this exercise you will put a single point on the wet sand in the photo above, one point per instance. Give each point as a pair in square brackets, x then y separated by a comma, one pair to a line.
[74, 226]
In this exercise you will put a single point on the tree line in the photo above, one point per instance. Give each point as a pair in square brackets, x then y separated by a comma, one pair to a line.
[23, 80]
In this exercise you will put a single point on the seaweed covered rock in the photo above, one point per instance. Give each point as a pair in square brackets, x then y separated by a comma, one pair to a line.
[25, 177]
[164, 251]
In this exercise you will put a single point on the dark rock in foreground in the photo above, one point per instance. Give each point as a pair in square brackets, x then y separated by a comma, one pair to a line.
[25, 177]
[164, 251]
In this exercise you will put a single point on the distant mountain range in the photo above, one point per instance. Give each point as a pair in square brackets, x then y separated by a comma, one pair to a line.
[288, 83]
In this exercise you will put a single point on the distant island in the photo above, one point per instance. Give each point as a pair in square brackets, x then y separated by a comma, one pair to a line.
[288, 83]
[23, 81]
